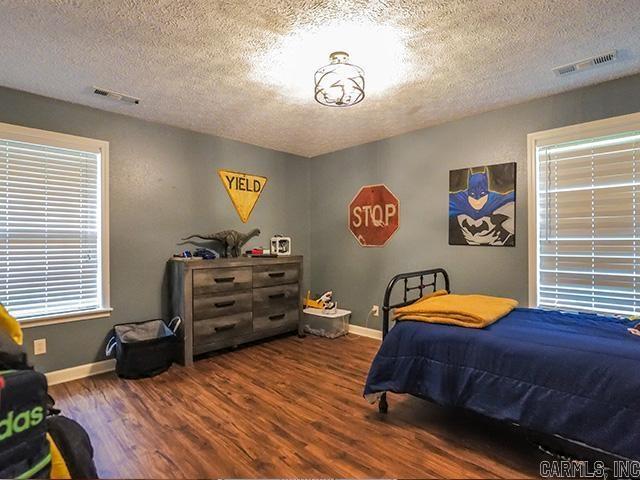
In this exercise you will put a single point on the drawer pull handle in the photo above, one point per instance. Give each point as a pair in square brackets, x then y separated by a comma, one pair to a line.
[276, 274]
[228, 326]
[279, 316]
[224, 304]
[224, 279]
[276, 295]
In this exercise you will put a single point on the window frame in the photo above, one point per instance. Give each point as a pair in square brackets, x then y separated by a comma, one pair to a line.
[535, 140]
[101, 147]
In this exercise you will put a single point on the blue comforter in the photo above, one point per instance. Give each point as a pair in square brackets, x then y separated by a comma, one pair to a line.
[576, 375]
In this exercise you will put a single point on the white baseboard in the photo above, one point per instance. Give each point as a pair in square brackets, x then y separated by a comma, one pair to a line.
[81, 371]
[365, 332]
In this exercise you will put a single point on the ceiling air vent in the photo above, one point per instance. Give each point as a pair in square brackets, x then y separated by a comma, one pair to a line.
[586, 64]
[116, 96]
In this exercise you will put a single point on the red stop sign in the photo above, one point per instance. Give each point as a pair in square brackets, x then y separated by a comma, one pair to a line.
[374, 215]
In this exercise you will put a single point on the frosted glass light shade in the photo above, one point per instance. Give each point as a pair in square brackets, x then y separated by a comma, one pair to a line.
[339, 84]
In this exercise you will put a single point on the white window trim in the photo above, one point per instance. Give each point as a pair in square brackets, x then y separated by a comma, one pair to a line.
[598, 128]
[63, 140]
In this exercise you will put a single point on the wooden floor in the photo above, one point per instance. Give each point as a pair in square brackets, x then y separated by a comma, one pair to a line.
[286, 408]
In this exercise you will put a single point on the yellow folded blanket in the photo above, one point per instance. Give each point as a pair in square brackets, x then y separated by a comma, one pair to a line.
[473, 311]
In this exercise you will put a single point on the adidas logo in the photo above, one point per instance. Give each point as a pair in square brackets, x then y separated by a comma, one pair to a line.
[13, 424]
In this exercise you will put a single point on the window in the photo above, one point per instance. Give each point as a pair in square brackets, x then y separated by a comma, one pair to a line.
[53, 226]
[584, 202]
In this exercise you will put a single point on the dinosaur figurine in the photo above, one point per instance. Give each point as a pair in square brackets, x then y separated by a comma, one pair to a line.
[231, 240]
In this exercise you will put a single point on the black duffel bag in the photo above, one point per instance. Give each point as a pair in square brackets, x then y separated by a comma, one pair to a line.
[74, 445]
[143, 349]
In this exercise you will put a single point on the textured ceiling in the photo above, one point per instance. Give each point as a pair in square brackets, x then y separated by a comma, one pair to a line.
[243, 69]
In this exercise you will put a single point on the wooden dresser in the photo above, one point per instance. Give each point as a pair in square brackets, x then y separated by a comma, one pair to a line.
[227, 302]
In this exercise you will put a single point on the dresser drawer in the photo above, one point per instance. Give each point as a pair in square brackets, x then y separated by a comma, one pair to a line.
[268, 275]
[213, 306]
[277, 318]
[218, 280]
[218, 330]
[275, 307]
[268, 300]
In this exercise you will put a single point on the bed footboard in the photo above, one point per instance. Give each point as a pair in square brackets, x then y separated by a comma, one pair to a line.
[428, 281]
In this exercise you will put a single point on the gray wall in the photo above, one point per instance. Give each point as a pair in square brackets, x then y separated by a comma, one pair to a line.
[415, 167]
[163, 186]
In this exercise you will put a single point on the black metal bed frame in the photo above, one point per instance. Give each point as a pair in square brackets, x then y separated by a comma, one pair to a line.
[431, 277]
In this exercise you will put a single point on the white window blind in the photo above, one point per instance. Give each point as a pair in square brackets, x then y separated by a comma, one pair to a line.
[588, 195]
[50, 229]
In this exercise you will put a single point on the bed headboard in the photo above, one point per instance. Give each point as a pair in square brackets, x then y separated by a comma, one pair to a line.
[407, 283]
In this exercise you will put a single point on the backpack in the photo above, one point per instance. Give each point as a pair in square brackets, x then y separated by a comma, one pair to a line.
[24, 447]
[12, 356]
[35, 442]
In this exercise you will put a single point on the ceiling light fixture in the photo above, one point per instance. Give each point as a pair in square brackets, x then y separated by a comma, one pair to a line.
[287, 65]
[339, 84]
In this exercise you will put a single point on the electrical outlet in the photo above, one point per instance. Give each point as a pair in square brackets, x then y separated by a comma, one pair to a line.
[375, 311]
[40, 346]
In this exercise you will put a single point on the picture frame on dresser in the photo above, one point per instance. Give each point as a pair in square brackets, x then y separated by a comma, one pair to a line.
[232, 301]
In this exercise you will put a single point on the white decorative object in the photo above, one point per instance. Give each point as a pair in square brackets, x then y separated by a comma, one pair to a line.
[339, 84]
[280, 245]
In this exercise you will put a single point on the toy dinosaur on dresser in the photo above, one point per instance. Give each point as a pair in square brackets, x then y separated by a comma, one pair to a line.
[232, 241]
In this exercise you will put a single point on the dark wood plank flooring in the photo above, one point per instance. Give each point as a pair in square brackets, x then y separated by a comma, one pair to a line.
[286, 408]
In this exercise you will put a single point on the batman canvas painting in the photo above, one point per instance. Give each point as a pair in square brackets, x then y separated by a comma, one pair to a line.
[482, 205]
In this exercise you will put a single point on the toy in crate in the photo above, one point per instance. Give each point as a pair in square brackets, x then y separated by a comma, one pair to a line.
[322, 316]
[324, 302]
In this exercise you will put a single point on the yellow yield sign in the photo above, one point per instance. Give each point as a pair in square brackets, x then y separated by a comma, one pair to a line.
[243, 189]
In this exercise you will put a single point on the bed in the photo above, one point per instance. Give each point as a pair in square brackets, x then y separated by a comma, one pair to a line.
[572, 376]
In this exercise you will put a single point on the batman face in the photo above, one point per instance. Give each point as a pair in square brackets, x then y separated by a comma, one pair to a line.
[478, 191]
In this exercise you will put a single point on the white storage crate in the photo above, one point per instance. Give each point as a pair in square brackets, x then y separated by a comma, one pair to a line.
[324, 323]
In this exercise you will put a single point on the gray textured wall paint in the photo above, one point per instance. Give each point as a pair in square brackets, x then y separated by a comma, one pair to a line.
[416, 168]
[163, 186]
